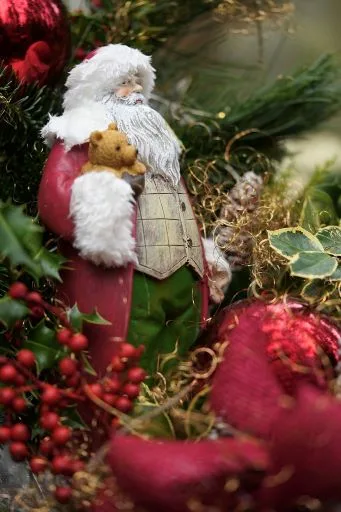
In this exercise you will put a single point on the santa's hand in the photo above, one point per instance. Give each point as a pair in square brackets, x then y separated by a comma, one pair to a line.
[137, 183]
[219, 270]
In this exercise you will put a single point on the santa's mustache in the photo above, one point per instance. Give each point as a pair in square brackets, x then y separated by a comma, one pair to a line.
[134, 98]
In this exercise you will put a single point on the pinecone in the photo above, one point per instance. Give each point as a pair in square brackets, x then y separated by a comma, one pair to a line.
[230, 237]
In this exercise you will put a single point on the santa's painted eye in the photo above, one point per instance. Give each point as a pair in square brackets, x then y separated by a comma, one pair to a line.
[118, 148]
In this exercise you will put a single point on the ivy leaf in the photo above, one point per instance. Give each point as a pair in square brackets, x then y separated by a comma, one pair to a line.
[11, 310]
[76, 318]
[330, 238]
[315, 290]
[318, 209]
[20, 238]
[290, 241]
[336, 275]
[43, 343]
[312, 265]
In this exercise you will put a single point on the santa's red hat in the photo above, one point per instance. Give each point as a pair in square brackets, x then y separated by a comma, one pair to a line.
[103, 69]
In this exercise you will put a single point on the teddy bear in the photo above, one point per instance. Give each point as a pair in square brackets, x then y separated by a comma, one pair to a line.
[110, 150]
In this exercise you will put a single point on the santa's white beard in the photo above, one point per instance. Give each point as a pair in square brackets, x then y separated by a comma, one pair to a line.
[158, 148]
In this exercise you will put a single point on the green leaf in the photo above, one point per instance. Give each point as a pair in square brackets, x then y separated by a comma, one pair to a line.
[20, 238]
[72, 418]
[50, 263]
[77, 318]
[318, 209]
[11, 311]
[43, 343]
[290, 241]
[336, 275]
[312, 265]
[87, 366]
[330, 238]
[312, 291]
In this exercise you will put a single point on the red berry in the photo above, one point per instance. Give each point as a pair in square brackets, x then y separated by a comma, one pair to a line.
[112, 385]
[61, 435]
[18, 291]
[38, 465]
[37, 312]
[46, 446]
[73, 381]
[95, 389]
[64, 336]
[127, 350]
[136, 375]
[19, 404]
[62, 465]
[20, 380]
[20, 432]
[115, 422]
[78, 342]
[123, 404]
[131, 390]
[34, 297]
[19, 451]
[117, 365]
[51, 395]
[109, 399]
[63, 494]
[49, 420]
[8, 373]
[7, 395]
[67, 366]
[5, 434]
[26, 358]
[78, 465]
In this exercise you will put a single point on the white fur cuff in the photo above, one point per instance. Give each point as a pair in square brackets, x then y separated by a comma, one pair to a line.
[102, 208]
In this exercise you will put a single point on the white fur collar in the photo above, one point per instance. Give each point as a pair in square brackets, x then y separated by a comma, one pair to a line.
[74, 126]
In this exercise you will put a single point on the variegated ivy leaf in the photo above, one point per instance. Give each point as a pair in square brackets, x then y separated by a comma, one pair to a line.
[336, 275]
[290, 241]
[313, 265]
[330, 238]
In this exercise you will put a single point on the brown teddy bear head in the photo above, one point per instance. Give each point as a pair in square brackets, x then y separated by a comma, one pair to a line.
[111, 148]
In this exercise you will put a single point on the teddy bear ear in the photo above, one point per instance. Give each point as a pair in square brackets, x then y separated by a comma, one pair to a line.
[112, 126]
[95, 137]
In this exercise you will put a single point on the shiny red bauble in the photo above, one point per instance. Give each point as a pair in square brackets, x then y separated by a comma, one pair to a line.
[34, 39]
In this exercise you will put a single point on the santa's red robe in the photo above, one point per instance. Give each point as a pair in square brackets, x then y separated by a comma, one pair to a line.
[88, 285]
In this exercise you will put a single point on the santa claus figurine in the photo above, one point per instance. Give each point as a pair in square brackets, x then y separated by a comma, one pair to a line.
[138, 260]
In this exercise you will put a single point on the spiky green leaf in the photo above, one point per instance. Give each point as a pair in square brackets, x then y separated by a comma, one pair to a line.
[77, 318]
[11, 310]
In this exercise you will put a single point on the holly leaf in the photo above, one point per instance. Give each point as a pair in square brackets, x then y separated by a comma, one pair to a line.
[20, 238]
[318, 209]
[87, 366]
[330, 238]
[72, 418]
[290, 241]
[11, 310]
[43, 343]
[312, 265]
[50, 263]
[76, 318]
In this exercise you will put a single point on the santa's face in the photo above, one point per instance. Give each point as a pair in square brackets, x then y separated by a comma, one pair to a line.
[130, 85]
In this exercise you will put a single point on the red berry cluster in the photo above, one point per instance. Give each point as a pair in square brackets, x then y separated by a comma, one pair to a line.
[116, 391]
[34, 300]
[122, 383]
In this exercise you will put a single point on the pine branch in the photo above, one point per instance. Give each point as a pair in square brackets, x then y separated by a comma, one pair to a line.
[144, 24]
[23, 111]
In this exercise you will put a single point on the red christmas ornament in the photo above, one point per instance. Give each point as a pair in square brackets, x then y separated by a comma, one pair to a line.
[34, 38]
